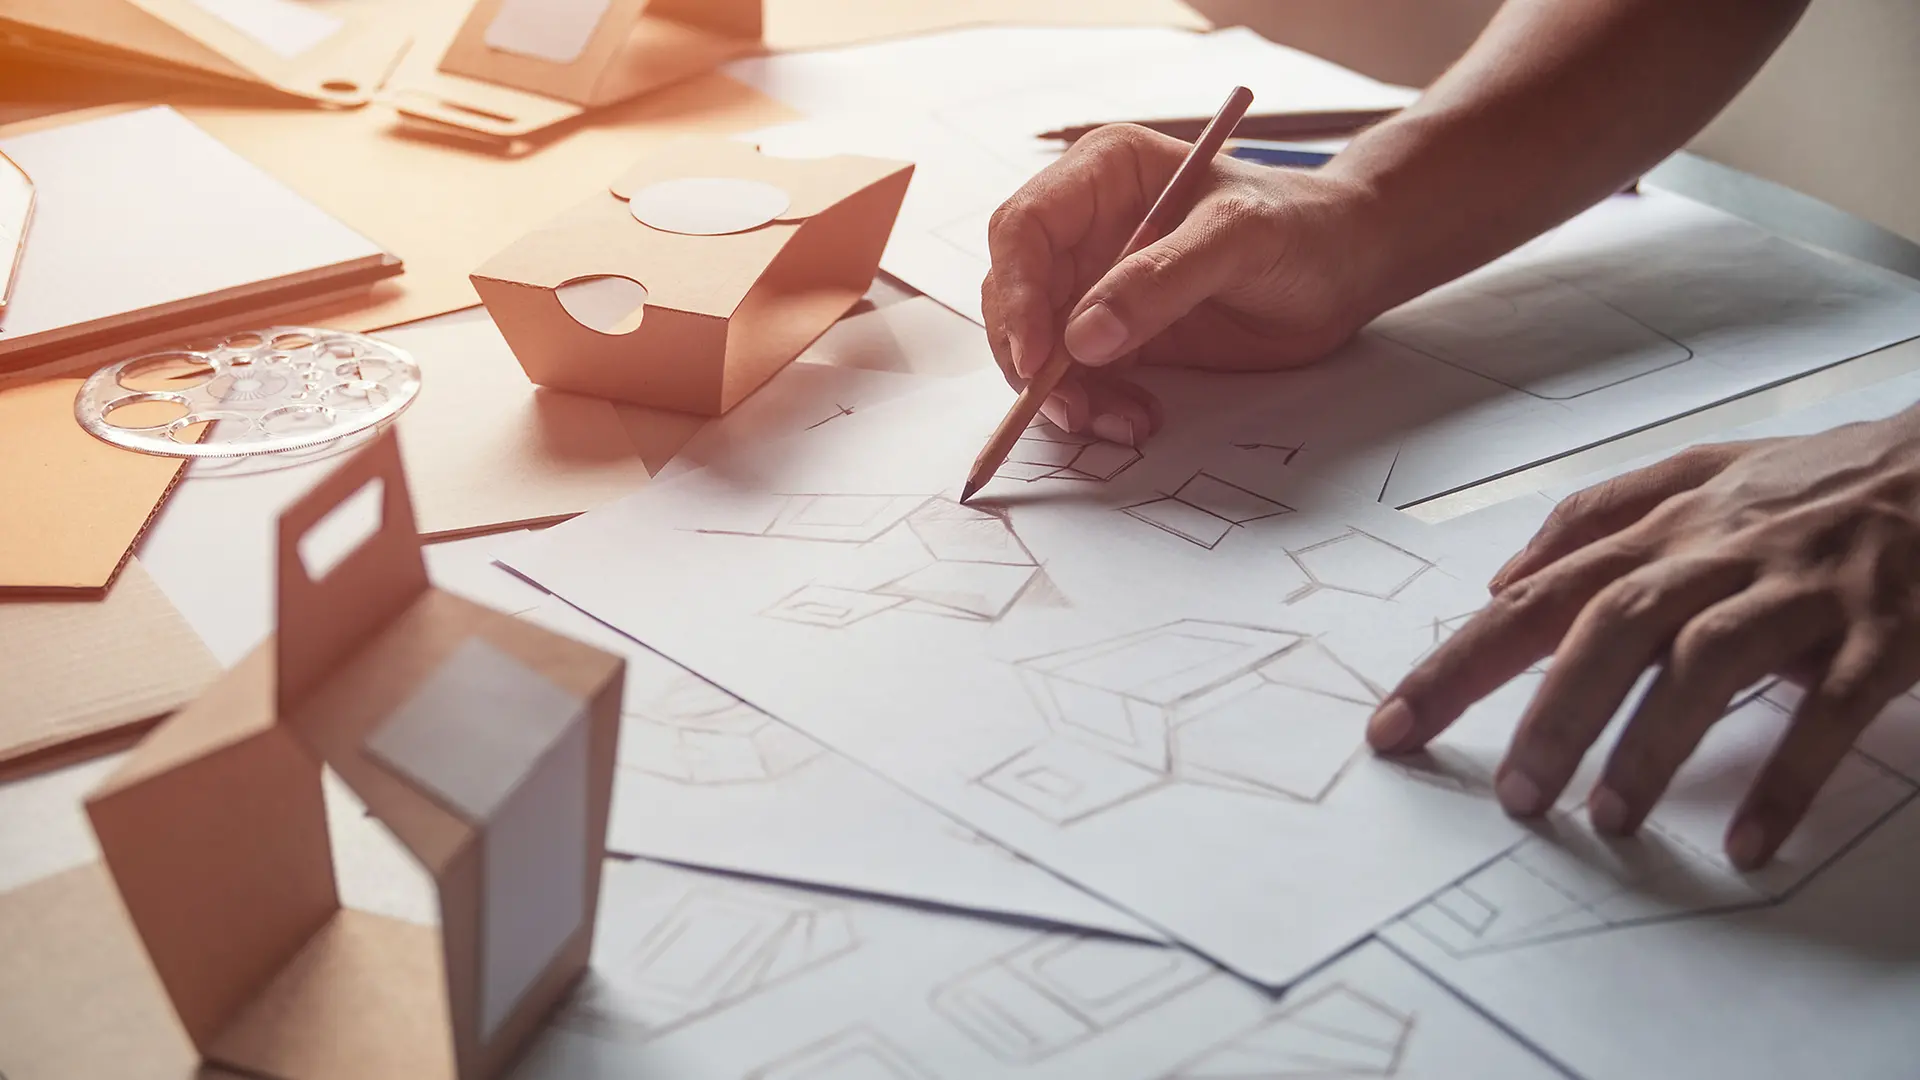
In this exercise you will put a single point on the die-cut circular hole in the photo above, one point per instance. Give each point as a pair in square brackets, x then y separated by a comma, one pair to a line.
[341, 349]
[166, 371]
[607, 303]
[144, 411]
[296, 420]
[340, 86]
[290, 342]
[358, 394]
[708, 205]
[248, 340]
[369, 370]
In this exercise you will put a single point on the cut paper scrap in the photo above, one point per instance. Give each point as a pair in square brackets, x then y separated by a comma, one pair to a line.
[518, 67]
[77, 505]
[83, 678]
[818, 24]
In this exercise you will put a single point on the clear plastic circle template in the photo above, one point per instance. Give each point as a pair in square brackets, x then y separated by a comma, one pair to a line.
[263, 391]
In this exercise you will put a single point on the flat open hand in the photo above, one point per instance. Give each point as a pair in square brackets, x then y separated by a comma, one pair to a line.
[1720, 566]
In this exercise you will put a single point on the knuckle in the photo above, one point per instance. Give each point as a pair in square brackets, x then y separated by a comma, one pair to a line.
[1110, 138]
[1705, 645]
[1630, 601]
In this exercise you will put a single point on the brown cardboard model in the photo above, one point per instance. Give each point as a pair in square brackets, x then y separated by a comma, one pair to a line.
[518, 66]
[705, 269]
[309, 53]
[485, 744]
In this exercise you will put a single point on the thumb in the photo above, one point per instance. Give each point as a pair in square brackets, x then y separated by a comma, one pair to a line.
[1150, 290]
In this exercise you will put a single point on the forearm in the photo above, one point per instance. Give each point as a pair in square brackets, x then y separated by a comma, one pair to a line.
[1558, 104]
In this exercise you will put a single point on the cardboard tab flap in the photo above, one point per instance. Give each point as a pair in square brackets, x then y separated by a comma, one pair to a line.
[323, 622]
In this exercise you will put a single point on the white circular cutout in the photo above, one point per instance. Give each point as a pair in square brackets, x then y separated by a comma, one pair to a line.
[708, 205]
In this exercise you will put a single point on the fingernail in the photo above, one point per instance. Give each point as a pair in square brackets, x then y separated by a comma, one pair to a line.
[1095, 335]
[1055, 410]
[1608, 811]
[1390, 725]
[1746, 843]
[1114, 429]
[1518, 793]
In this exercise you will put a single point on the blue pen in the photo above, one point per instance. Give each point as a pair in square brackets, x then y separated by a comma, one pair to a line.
[1290, 155]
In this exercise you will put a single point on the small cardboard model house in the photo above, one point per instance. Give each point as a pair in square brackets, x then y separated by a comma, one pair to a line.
[705, 269]
[486, 746]
[315, 53]
[518, 66]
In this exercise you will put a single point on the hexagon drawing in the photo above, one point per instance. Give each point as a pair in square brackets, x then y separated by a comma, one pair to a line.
[1357, 563]
[1259, 711]
[692, 732]
[1047, 453]
[1204, 509]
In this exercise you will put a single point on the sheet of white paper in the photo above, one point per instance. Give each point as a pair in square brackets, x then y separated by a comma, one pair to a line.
[286, 28]
[699, 975]
[935, 71]
[1606, 954]
[971, 152]
[1238, 624]
[143, 208]
[707, 780]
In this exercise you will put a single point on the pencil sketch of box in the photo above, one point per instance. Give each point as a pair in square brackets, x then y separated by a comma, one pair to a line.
[701, 273]
[485, 744]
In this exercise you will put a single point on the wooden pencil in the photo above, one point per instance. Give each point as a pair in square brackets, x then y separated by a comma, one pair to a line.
[1175, 200]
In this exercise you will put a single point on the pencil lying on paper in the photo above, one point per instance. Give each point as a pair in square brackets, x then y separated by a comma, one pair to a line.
[1289, 126]
[1172, 205]
[16, 212]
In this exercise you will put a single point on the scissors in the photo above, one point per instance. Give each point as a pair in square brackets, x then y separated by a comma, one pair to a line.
[16, 210]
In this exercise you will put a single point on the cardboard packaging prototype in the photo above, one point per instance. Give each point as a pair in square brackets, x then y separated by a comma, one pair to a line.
[735, 261]
[484, 743]
[519, 66]
[316, 54]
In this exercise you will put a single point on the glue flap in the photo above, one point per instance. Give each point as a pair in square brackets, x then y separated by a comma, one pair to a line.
[811, 184]
[322, 622]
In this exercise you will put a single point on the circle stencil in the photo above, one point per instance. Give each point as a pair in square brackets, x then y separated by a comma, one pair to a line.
[254, 392]
[708, 205]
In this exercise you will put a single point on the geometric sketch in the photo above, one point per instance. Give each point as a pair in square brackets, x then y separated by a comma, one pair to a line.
[1338, 1032]
[968, 562]
[1205, 509]
[1061, 989]
[1358, 563]
[1532, 333]
[692, 732]
[1243, 708]
[718, 945]
[855, 1053]
[1047, 453]
[1574, 882]
[1443, 629]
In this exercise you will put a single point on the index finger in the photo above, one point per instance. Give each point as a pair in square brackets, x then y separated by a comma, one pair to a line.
[1516, 629]
[1072, 216]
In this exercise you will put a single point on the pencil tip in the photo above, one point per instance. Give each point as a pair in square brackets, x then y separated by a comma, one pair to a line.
[970, 490]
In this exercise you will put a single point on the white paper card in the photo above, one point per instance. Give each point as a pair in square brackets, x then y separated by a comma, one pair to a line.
[705, 779]
[286, 28]
[556, 31]
[699, 975]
